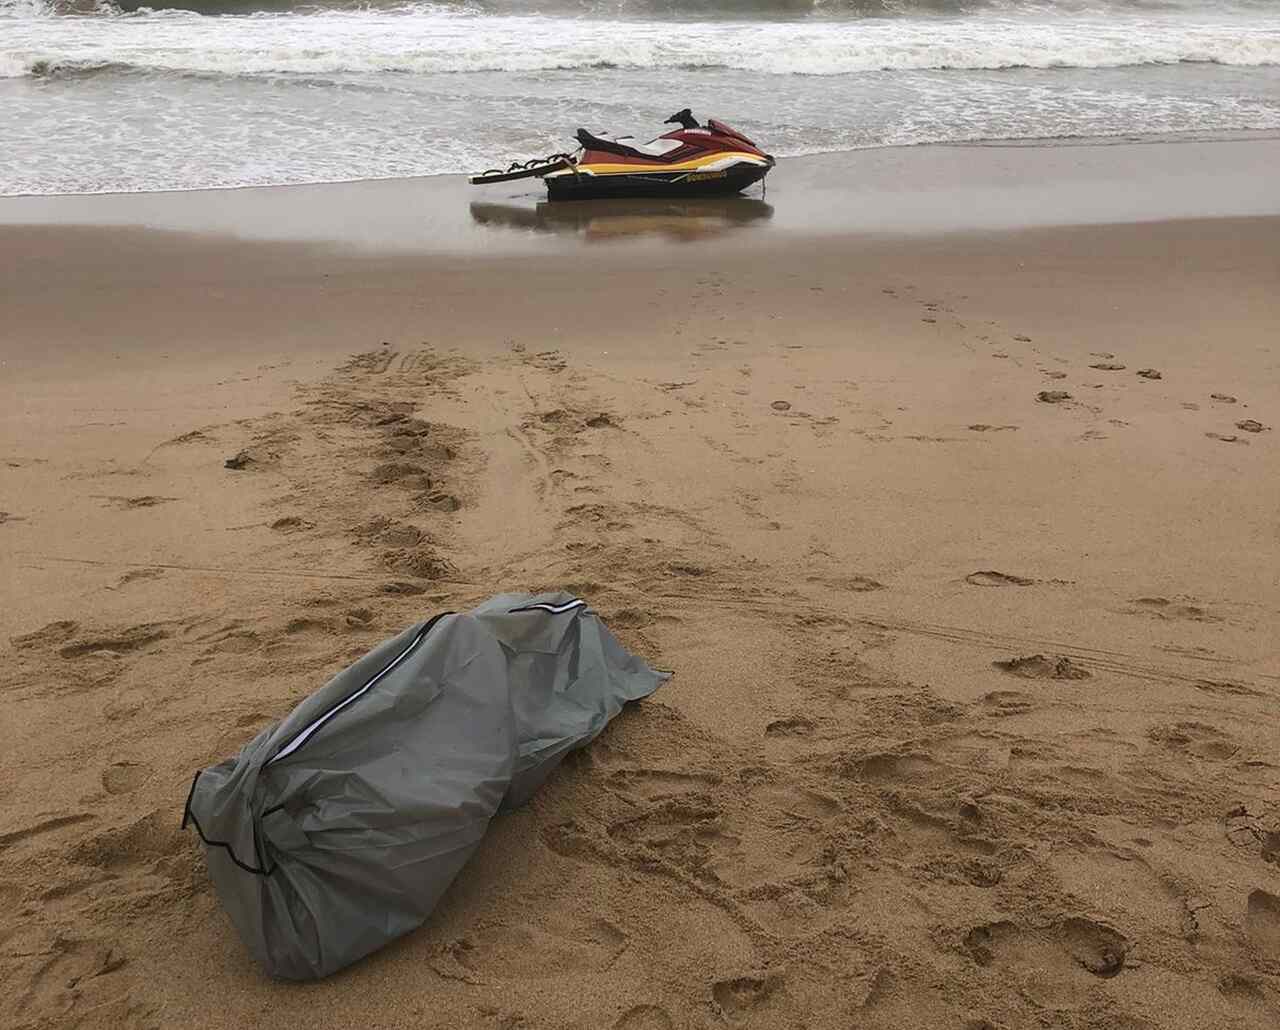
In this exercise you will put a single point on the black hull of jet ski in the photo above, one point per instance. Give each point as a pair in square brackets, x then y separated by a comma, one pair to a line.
[653, 183]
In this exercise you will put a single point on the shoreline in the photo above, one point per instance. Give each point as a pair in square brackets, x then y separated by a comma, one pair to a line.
[1014, 142]
[883, 191]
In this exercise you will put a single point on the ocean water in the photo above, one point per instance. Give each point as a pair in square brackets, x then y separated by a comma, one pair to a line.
[98, 96]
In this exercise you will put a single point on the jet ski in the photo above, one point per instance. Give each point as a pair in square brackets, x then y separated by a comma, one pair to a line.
[692, 160]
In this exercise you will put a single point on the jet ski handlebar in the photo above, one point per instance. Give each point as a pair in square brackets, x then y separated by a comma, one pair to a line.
[684, 119]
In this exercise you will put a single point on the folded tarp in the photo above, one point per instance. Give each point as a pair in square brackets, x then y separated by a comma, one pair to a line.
[338, 829]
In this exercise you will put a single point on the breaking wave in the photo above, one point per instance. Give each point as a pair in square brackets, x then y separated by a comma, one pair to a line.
[623, 9]
[428, 41]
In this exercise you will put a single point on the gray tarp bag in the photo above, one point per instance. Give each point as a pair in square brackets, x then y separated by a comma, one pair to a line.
[338, 829]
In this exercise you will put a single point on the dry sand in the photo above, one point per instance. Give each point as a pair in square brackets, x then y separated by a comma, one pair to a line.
[974, 625]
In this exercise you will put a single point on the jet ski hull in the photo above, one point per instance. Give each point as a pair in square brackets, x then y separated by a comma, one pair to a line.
[585, 183]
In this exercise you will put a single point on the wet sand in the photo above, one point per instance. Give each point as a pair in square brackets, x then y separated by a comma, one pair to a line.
[898, 190]
[962, 545]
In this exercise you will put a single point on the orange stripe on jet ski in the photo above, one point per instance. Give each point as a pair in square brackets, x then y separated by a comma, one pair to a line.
[630, 168]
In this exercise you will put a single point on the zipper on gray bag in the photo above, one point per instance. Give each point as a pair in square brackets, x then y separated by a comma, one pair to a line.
[307, 732]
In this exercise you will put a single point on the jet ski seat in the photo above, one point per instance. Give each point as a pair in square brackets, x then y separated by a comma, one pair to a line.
[653, 149]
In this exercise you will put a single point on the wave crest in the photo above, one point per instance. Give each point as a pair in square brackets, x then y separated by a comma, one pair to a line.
[807, 57]
[678, 10]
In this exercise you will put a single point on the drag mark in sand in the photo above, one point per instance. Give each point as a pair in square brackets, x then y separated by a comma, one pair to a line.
[1041, 667]
[991, 578]
[1098, 659]
[206, 569]
[39, 829]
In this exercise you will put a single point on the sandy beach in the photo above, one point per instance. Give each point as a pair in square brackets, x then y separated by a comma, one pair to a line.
[959, 535]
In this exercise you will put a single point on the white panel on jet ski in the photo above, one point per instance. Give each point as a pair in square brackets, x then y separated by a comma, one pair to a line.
[657, 147]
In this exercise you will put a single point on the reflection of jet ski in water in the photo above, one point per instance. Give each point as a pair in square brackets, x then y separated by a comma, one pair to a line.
[690, 161]
[694, 218]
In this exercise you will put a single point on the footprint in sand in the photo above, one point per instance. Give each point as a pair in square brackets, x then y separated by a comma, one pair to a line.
[682, 825]
[291, 524]
[441, 502]
[659, 783]
[295, 626]
[1164, 608]
[1225, 437]
[148, 843]
[793, 726]
[195, 436]
[912, 766]
[1072, 944]
[1255, 825]
[240, 460]
[743, 994]
[1008, 702]
[1247, 992]
[1108, 366]
[562, 945]
[421, 563]
[644, 1017]
[235, 641]
[1224, 398]
[68, 977]
[1043, 667]
[1149, 373]
[405, 473]
[687, 569]
[359, 618]
[631, 618]
[795, 802]
[399, 588]
[1195, 738]
[982, 427]
[1251, 425]
[122, 777]
[401, 535]
[139, 574]
[133, 503]
[991, 578]
[133, 639]
[1053, 396]
[1262, 923]
[855, 584]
